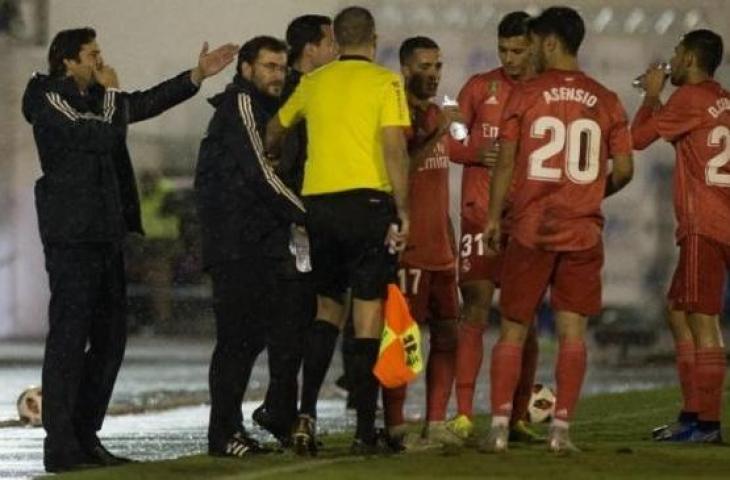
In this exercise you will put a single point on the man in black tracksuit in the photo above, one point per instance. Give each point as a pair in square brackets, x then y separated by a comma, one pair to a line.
[87, 202]
[246, 214]
[311, 45]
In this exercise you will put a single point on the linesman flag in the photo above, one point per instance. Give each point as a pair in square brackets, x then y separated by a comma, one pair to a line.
[400, 359]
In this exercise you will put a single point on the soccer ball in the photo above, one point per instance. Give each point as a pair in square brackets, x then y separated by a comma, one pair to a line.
[542, 404]
[29, 406]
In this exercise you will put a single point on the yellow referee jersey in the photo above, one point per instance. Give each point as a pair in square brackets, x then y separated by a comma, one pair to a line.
[345, 104]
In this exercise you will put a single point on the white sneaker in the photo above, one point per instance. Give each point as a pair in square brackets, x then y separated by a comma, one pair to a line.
[558, 441]
[497, 440]
[439, 433]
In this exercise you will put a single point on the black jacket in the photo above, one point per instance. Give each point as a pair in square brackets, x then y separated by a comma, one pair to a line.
[294, 147]
[244, 206]
[88, 192]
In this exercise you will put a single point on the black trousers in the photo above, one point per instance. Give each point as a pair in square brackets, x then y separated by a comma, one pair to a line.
[85, 342]
[293, 313]
[257, 304]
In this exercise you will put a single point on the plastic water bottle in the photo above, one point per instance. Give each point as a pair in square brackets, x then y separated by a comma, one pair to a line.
[299, 247]
[638, 81]
[457, 130]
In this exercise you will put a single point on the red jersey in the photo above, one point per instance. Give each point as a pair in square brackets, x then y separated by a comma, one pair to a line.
[566, 126]
[696, 120]
[429, 242]
[481, 101]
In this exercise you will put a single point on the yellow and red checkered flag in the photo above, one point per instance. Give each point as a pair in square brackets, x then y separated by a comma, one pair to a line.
[400, 359]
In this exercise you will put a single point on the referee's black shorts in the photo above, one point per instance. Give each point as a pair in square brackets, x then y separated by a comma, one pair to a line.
[347, 233]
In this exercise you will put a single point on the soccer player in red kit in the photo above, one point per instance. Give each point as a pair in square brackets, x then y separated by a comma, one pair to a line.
[427, 271]
[482, 101]
[696, 120]
[557, 134]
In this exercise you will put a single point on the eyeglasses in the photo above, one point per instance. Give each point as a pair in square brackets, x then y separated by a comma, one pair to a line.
[273, 67]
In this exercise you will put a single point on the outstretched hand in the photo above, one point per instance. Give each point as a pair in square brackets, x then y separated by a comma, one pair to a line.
[212, 62]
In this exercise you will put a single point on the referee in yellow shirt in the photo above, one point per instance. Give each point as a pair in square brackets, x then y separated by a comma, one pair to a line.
[355, 192]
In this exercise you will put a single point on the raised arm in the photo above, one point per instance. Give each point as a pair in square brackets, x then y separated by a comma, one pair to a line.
[152, 102]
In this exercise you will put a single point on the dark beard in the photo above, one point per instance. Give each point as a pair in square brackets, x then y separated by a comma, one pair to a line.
[417, 87]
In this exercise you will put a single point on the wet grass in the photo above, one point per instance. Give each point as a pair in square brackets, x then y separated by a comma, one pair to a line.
[612, 430]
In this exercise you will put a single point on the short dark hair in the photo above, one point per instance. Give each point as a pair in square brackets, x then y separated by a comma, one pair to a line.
[514, 24]
[563, 22]
[354, 26]
[303, 30]
[707, 47]
[412, 44]
[249, 52]
[66, 45]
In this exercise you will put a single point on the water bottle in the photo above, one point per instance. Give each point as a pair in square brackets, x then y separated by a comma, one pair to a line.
[637, 83]
[457, 130]
[299, 248]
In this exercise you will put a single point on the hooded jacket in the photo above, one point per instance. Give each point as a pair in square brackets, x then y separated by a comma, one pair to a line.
[87, 192]
[245, 209]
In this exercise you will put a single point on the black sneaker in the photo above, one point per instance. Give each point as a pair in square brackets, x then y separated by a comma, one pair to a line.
[69, 463]
[240, 445]
[303, 436]
[263, 418]
[67, 458]
[381, 444]
[102, 456]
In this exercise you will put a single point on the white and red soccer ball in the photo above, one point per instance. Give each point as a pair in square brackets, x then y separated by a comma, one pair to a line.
[30, 404]
[542, 404]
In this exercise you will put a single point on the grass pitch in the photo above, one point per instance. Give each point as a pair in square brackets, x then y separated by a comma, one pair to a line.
[612, 430]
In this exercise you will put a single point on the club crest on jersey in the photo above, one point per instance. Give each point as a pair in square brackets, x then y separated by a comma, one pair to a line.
[493, 87]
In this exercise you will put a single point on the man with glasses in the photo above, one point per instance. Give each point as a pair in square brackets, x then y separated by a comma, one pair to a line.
[244, 208]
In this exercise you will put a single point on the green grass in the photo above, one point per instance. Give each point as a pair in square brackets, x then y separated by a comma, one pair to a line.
[612, 430]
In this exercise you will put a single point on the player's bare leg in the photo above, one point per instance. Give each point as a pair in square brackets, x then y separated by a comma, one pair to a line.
[477, 296]
[710, 367]
[318, 351]
[506, 364]
[685, 359]
[569, 373]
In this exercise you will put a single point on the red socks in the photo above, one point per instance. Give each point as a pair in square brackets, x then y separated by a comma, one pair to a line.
[393, 401]
[440, 372]
[687, 376]
[570, 371]
[469, 354]
[527, 378]
[504, 374]
[710, 364]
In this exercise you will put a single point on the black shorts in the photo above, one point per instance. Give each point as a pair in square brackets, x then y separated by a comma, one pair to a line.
[347, 233]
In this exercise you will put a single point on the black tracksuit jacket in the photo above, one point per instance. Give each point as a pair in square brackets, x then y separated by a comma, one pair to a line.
[87, 193]
[245, 209]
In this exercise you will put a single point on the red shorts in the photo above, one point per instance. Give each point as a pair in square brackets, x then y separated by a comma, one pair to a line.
[431, 294]
[698, 285]
[474, 264]
[574, 279]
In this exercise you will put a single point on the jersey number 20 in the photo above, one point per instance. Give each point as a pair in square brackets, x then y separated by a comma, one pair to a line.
[580, 142]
